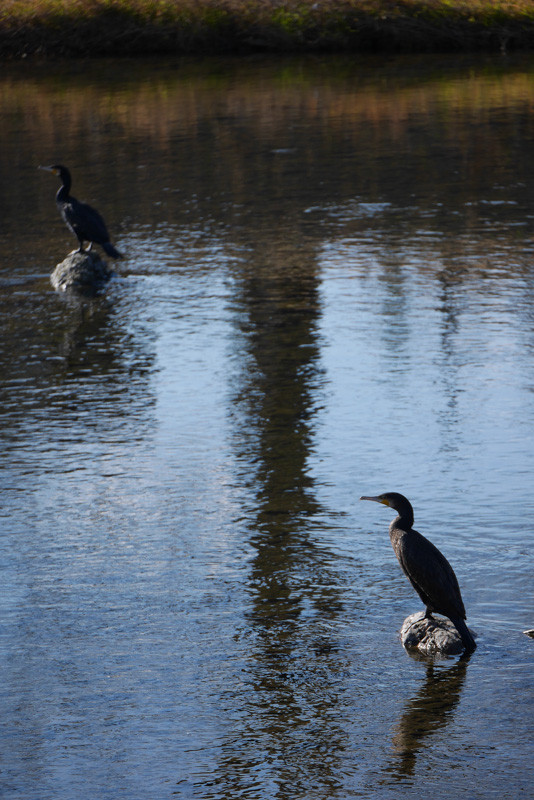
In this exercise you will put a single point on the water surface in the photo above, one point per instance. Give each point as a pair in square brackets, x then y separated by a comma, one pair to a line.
[327, 292]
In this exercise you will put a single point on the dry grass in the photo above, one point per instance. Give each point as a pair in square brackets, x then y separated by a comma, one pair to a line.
[135, 27]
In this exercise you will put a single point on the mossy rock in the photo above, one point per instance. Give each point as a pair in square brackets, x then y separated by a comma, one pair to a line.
[434, 635]
[84, 273]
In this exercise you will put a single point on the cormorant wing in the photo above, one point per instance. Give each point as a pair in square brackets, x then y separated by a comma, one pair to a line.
[431, 574]
[84, 221]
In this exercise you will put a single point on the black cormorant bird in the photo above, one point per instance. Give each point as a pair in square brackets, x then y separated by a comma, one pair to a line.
[85, 223]
[428, 570]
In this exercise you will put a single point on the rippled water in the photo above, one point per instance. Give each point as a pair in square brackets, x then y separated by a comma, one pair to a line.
[327, 292]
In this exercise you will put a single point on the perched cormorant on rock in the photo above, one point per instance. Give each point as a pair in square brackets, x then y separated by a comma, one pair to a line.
[85, 222]
[428, 570]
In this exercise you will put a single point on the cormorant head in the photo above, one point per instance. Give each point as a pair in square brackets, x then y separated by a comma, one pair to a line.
[58, 169]
[393, 500]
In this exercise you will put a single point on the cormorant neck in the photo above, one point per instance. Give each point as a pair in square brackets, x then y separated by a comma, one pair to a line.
[62, 194]
[64, 190]
[404, 520]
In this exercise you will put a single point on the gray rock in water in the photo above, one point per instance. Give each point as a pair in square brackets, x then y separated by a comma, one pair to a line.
[81, 272]
[435, 635]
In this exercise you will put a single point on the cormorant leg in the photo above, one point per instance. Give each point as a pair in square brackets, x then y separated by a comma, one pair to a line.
[428, 614]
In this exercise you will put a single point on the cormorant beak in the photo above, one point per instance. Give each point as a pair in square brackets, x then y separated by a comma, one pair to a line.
[376, 500]
[50, 169]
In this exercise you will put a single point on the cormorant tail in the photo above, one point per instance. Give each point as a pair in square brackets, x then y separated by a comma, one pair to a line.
[465, 633]
[110, 250]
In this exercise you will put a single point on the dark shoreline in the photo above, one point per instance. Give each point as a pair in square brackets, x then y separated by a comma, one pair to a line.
[112, 32]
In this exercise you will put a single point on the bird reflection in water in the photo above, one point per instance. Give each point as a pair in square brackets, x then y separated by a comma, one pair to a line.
[427, 712]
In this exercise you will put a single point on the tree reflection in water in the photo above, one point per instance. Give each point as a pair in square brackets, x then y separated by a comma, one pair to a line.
[290, 739]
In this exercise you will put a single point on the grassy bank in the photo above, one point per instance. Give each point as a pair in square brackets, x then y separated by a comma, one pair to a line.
[142, 27]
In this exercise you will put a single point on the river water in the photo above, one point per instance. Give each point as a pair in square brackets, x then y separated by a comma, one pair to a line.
[327, 292]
